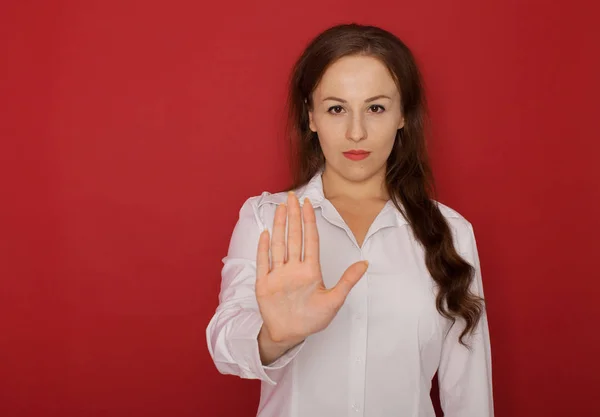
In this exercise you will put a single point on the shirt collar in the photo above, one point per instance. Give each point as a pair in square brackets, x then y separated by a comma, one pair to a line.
[313, 190]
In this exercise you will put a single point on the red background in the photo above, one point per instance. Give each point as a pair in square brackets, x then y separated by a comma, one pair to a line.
[132, 132]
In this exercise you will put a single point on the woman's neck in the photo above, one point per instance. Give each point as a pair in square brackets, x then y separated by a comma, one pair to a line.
[336, 186]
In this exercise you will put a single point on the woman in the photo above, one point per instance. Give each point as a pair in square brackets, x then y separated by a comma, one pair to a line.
[347, 294]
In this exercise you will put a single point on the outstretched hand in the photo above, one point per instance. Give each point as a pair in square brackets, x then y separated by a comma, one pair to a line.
[291, 295]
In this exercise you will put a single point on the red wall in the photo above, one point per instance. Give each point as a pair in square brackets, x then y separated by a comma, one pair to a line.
[131, 133]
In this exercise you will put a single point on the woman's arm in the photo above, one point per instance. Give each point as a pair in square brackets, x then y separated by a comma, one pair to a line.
[465, 376]
[233, 331]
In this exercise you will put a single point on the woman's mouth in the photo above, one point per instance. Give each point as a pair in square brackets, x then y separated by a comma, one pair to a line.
[356, 155]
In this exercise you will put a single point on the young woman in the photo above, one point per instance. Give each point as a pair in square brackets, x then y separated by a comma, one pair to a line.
[347, 294]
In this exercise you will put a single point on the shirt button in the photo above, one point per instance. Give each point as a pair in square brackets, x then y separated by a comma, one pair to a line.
[355, 408]
[358, 359]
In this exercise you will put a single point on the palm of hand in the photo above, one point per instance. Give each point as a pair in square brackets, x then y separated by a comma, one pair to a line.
[291, 295]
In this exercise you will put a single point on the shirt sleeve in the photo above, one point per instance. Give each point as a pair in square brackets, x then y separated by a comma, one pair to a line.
[232, 333]
[465, 376]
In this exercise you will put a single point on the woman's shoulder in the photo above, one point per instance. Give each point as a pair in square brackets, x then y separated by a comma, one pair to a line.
[266, 197]
[452, 216]
[262, 204]
[260, 209]
[462, 230]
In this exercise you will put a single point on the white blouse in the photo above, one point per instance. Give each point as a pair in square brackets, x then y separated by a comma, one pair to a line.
[378, 356]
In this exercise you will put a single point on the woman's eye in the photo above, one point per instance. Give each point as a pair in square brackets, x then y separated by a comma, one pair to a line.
[376, 108]
[335, 109]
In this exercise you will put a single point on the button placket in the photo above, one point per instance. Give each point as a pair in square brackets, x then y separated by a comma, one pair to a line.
[357, 360]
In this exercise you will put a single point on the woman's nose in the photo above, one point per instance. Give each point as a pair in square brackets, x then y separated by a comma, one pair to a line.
[356, 130]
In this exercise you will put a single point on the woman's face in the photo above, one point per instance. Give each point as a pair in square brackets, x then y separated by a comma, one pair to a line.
[356, 108]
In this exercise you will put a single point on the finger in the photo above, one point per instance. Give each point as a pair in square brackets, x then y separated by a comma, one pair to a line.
[348, 280]
[311, 234]
[294, 241]
[262, 256]
[278, 237]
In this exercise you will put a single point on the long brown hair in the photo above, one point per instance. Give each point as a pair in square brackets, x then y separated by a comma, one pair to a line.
[409, 178]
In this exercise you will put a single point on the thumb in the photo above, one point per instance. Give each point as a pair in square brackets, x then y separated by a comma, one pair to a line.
[348, 280]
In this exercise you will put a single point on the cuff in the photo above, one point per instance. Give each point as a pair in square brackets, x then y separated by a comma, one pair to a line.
[248, 343]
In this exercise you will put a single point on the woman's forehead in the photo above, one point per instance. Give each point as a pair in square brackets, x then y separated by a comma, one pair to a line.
[356, 77]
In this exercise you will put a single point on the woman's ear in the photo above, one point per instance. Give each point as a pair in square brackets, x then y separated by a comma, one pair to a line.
[401, 124]
[311, 121]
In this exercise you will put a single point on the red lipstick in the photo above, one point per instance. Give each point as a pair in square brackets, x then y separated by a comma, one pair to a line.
[357, 154]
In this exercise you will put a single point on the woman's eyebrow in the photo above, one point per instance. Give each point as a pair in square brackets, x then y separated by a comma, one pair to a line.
[341, 100]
